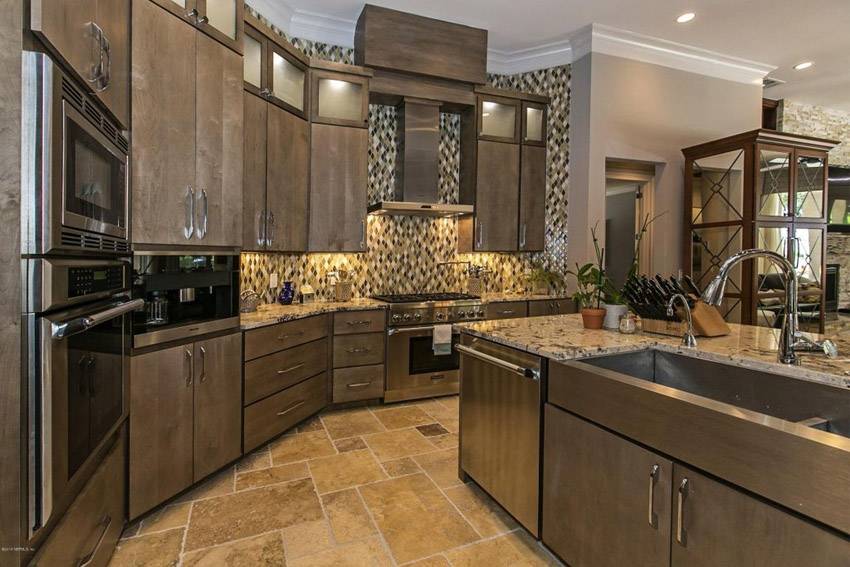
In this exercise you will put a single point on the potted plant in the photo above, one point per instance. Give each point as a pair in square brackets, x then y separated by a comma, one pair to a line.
[590, 284]
[543, 281]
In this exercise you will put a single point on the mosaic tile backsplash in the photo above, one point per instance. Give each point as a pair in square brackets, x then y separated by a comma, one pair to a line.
[406, 254]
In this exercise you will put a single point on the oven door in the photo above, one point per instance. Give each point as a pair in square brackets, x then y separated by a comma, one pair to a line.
[78, 390]
[94, 177]
[413, 370]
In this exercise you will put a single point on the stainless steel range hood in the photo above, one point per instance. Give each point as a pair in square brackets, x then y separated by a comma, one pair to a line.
[417, 164]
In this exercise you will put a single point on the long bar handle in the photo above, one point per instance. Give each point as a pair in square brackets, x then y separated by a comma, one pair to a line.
[187, 354]
[203, 364]
[189, 213]
[681, 534]
[290, 369]
[74, 326]
[654, 470]
[356, 385]
[88, 558]
[293, 407]
[532, 373]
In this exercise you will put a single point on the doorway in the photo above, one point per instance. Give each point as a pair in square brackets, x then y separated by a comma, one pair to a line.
[628, 201]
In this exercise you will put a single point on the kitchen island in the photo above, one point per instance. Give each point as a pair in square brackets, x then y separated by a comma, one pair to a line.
[650, 453]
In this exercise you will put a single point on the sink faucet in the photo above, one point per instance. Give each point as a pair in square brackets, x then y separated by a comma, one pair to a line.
[688, 339]
[791, 340]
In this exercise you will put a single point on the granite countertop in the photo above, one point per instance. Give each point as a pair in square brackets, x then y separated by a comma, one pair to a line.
[272, 313]
[562, 337]
[519, 296]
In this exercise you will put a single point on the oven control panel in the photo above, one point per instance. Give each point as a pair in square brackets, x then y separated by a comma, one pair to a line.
[90, 279]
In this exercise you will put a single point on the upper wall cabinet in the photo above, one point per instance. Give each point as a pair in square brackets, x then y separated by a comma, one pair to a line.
[93, 38]
[220, 19]
[274, 69]
[340, 94]
[534, 117]
[499, 119]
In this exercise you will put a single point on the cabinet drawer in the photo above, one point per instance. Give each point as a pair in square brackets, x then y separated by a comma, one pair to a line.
[551, 307]
[269, 374]
[92, 525]
[267, 340]
[348, 322]
[358, 383]
[359, 350]
[506, 310]
[275, 414]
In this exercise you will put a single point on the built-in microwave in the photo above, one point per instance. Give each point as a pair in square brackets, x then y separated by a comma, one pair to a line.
[74, 167]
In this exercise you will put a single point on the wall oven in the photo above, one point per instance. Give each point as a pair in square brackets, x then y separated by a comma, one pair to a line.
[75, 167]
[77, 338]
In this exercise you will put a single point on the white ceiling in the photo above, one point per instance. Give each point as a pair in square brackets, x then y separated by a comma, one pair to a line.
[779, 33]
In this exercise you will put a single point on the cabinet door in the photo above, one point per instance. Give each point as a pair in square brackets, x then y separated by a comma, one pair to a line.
[532, 199]
[256, 113]
[287, 181]
[534, 118]
[810, 186]
[186, 9]
[66, 27]
[161, 407]
[497, 197]
[255, 66]
[222, 20]
[113, 16]
[218, 159]
[218, 403]
[499, 119]
[606, 501]
[773, 183]
[338, 174]
[163, 172]
[807, 251]
[287, 81]
[715, 524]
[340, 99]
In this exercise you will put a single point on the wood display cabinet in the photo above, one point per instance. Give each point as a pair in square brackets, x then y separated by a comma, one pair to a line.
[760, 189]
[220, 19]
[505, 175]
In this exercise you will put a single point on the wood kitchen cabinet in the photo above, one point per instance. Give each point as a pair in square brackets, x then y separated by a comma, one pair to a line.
[187, 136]
[185, 417]
[219, 19]
[562, 306]
[93, 38]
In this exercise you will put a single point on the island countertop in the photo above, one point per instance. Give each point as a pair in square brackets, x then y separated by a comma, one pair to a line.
[563, 337]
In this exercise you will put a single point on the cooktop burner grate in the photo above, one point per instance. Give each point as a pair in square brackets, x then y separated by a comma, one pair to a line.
[420, 297]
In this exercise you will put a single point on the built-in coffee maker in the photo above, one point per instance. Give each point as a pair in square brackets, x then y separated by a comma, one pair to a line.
[185, 295]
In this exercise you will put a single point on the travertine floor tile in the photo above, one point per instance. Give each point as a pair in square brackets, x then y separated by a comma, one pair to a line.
[259, 459]
[451, 402]
[415, 518]
[441, 466]
[348, 516]
[449, 441]
[217, 485]
[350, 444]
[300, 447]
[437, 410]
[261, 551]
[345, 470]
[251, 512]
[171, 516]
[432, 430]
[452, 424]
[351, 423]
[307, 538]
[396, 444]
[487, 517]
[160, 549]
[363, 553]
[271, 475]
[433, 561]
[402, 417]
[312, 424]
[516, 549]
[401, 467]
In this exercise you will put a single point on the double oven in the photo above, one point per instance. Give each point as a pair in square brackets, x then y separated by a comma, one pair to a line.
[77, 315]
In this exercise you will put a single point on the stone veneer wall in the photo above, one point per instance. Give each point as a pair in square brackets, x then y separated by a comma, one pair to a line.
[812, 120]
[403, 253]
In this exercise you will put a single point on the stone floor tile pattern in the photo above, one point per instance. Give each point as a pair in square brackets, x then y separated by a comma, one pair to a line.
[369, 486]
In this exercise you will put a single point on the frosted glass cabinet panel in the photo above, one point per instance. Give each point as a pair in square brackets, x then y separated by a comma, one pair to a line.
[498, 120]
[533, 124]
[274, 69]
[340, 99]
[253, 61]
[287, 81]
[223, 15]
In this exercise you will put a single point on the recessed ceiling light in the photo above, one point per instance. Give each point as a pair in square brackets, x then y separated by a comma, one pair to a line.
[803, 65]
[686, 17]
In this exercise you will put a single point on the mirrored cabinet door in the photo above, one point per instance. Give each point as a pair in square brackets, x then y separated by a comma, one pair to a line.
[287, 80]
[773, 182]
[769, 279]
[533, 124]
[810, 186]
[340, 99]
[807, 249]
[717, 188]
[499, 119]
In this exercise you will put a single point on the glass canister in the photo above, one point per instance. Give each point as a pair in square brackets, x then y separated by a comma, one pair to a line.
[628, 324]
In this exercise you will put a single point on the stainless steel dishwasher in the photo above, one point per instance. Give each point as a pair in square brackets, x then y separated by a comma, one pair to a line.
[500, 423]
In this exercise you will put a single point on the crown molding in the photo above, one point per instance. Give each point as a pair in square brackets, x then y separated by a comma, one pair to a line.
[531, 59]
[277, 12]
[321, 28]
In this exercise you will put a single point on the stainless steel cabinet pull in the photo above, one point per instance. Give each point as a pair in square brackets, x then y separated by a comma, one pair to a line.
[97, 68]
[261, 228]
[266, 92]
[87, 559]
[507, 312]
[290, 369]
[203, 364]
[532, 373]
[522, 232]
[203, 20]
[189, 213]
[358, 385]
[363, 235]
[188, 355]
[293, 407]
[286, 336]
[193, 14]
[479, 225]
[438, 377]
[681, 534]
[358, 350]
[201, 231]
[654, 470]
[270, 228]
[357, 323]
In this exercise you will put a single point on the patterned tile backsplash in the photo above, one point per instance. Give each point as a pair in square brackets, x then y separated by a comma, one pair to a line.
[404, 254]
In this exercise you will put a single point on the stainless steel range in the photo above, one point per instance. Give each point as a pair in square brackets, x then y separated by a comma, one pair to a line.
[415, 369]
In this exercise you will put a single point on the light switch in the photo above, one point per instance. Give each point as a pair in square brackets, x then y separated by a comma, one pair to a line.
[273, 280]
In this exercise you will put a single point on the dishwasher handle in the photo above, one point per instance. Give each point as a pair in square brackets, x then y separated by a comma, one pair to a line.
[532, 373]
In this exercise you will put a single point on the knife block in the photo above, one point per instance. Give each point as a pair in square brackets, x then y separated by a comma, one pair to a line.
[707, 323]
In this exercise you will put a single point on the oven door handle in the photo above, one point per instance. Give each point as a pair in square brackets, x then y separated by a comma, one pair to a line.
[396, 330]
[63, 330]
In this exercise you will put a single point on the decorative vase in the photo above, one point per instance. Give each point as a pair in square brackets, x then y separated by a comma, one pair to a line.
[287, 294]
[613, 312]
[592, 318]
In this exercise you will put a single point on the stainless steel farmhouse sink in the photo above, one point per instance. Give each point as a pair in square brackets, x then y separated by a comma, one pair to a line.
[815, 405]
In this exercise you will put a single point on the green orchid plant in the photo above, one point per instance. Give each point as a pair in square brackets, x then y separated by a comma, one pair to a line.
[590, 278]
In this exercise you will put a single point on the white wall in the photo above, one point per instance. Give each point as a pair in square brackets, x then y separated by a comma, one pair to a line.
[639, 111]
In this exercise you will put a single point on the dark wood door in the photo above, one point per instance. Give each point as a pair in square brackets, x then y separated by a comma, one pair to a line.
[338, 177]
[497, 197]
[532, 199]
[254, 172]
[723, 526]
[163, 110]
[606, 501]
[287, 180]
[113, 16]
[218, 158]
[161, 407]
[218, 403]
[222, 20]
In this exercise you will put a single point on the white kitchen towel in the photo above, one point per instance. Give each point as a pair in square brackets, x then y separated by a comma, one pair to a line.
[442, 340]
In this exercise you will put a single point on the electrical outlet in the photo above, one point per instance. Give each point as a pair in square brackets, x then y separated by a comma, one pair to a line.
[273, 280]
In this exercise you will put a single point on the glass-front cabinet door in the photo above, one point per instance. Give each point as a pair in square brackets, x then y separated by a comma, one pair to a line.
[222, 19]
[806, 251]
[340, 99]
[769, 281]
[499, 119]
[773, 182]
[254, 60]
[533, 124]
[810, 186]
[717, 188]
[287, 80]
[710, 247]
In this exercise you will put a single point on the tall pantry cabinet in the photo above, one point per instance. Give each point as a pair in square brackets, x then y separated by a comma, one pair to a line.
[187, 133]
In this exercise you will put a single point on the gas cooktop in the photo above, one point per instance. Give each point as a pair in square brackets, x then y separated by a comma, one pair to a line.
[426, 308]
[423, 297]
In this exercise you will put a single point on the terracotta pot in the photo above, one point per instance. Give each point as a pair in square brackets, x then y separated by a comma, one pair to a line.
[592, 318]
